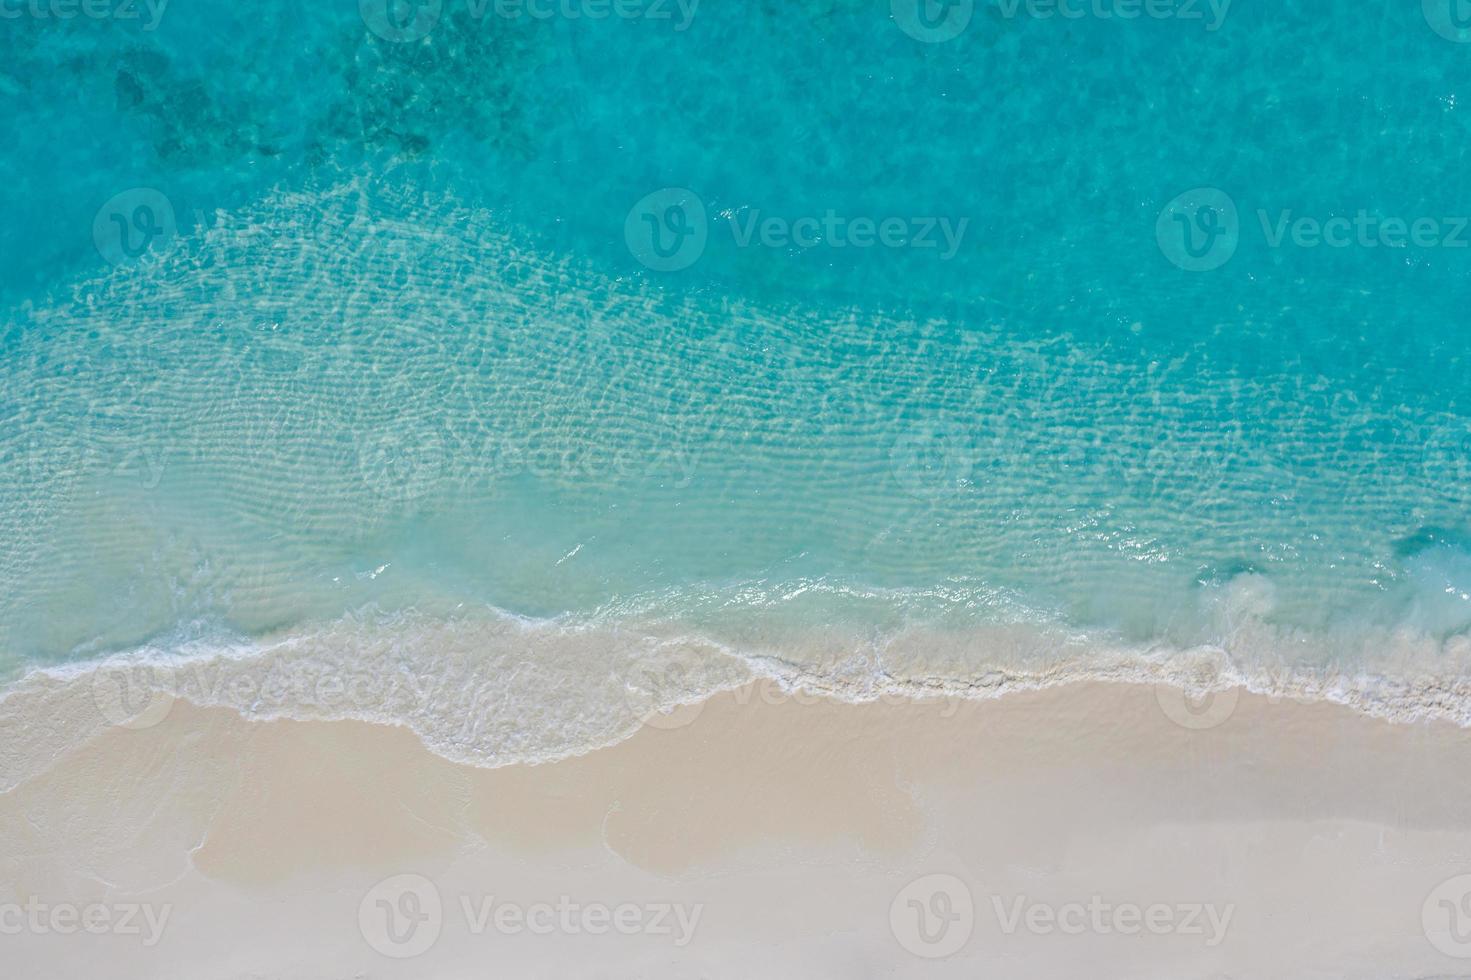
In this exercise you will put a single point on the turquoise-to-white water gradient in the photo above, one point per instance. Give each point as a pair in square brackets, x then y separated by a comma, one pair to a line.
[522, 373]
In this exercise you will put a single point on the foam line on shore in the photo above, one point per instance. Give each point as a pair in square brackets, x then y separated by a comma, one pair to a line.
[502, 690]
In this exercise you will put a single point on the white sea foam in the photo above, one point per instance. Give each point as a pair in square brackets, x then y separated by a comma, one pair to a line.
[498, 689]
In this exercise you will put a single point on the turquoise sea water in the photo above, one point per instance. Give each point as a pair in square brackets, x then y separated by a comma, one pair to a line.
[564, 349]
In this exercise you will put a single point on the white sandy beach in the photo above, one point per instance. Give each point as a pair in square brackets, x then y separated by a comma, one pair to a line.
[1074, 832]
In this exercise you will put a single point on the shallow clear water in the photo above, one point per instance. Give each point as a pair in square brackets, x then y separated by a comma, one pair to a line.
[408, 347]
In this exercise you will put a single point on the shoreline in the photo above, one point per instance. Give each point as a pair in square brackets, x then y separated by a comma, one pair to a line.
[1073, 829]
[509, 690]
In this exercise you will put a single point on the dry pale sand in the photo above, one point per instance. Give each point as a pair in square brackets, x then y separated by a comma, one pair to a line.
[1076, 832]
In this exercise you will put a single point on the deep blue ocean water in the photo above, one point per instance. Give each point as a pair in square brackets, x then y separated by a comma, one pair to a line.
[756, 321]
